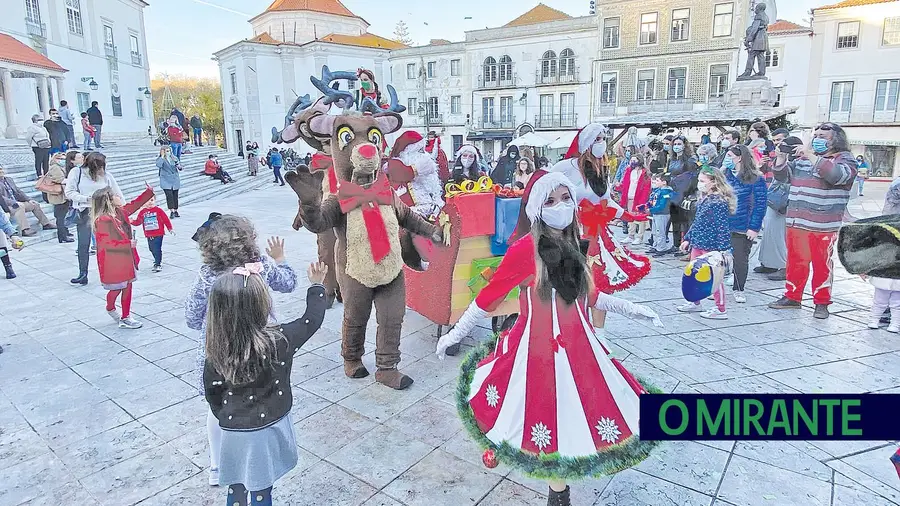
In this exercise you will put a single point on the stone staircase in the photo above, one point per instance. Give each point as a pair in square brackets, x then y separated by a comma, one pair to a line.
[132, 165]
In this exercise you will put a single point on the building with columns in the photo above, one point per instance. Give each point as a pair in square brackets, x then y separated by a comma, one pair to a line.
[262, 76]
[79, 51]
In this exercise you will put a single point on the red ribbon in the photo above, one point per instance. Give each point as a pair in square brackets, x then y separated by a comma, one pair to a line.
[352, 196]
[321, 161]
[595, 216]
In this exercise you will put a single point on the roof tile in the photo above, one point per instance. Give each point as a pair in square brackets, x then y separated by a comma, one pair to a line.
[365, 40]
[540, 14]
[784, 26]
[324, 6]
[13, 51]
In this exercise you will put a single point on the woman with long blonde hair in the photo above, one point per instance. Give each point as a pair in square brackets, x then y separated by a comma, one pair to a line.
[169, 179]
[507, 396]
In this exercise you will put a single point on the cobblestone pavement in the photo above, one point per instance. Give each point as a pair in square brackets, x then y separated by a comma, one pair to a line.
[91, 414]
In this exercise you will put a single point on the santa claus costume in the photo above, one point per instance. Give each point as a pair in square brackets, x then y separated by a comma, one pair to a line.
[614, 267]
[547, 398]
[425, 191]
[433, 148]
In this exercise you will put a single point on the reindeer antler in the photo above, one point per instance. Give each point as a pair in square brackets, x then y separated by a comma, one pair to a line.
[395, 103]
[328, 76]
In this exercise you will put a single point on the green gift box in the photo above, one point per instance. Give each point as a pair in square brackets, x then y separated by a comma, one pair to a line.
[482, 270]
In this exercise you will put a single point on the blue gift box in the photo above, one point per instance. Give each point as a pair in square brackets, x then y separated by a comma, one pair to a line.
[507, 217]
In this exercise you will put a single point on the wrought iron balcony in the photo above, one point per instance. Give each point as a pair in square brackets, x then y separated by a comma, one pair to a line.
[498, 123]
[136, 58]
[555, 121]
[36, 28]
[860, 116]
[661, 105]
[433, 119]
[560, 76]
[111, 51]
[488, 81]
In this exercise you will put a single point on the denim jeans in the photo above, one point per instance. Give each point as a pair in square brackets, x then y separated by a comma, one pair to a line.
[97, 129]
[278, 177]
[85, 236]
[70, 135]
[198, 139]
[87, 140]
[176, 149]
[155, 244]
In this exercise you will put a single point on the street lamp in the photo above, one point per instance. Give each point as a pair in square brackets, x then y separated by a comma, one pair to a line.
[422, 112]
[90, 80]
[146, 92]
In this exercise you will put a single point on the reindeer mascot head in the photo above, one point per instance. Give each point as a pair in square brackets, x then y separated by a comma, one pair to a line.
[366, 217]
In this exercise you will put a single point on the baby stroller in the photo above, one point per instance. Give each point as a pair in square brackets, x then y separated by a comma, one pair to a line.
[161, 139]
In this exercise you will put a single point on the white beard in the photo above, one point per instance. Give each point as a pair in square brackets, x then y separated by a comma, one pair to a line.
[417, 159]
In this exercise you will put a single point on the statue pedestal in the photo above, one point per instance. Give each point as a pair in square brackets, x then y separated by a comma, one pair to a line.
[751, 93]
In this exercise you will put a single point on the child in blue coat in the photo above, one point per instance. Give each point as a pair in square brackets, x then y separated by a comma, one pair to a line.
[658, 204]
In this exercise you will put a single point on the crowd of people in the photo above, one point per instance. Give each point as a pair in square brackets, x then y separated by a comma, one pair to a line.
[722, 198]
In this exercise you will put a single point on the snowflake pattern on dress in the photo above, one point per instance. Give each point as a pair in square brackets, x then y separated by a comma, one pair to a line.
[492, 396]
[540, 435]
[608, 430]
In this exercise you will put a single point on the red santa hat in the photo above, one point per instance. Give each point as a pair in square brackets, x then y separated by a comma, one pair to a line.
[407, 139]
[585, 139]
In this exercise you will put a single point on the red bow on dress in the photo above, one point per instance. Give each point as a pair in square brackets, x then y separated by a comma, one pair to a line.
[595, 216]
[352, 196]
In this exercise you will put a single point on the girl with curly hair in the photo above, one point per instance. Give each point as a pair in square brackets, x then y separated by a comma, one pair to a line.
[230, 242]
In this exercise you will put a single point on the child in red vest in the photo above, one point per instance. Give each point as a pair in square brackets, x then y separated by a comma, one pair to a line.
[117, 257]
[155, 223]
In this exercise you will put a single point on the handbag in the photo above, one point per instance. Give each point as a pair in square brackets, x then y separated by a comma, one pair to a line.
[45, 185]
[778, 195]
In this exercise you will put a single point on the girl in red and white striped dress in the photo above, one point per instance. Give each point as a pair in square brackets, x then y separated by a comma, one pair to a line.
[547, 398]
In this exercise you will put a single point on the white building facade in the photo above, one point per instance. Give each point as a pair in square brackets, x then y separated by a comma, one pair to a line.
[96, 51]
[854, 77]
[786, 65]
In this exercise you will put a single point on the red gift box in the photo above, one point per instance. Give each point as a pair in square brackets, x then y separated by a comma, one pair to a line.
[476, 213]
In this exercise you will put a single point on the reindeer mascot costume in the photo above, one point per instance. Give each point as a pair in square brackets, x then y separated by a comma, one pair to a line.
[366, 217]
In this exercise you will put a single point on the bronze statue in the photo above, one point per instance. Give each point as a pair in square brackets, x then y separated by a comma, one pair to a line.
[757, 44]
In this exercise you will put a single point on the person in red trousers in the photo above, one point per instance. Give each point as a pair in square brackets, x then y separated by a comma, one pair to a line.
[117, 257]
[821, 178]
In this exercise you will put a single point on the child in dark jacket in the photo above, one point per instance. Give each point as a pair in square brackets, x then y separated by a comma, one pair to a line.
[247, 378]
[658, 204]
[155, 223]
[710, 232]
[751, 194]
[117, 257]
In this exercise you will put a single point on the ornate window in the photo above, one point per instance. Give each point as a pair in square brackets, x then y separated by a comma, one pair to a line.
[490, 69]
[567, 63]
[73, 16]
[549, 65]
[506, 66]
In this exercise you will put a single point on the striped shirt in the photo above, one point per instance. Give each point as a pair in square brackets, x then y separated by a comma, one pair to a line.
[820, 192]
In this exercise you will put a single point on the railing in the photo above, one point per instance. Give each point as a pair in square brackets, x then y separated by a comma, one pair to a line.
[661, 105]
[136, 58]
[863, 116]
[35, 28]
[434, 119]
[558, 77]
[111, 51]
[508, 81]
[506, 123]
[555, 121]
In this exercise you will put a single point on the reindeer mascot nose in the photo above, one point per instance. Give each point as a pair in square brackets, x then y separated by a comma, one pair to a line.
[368, 151]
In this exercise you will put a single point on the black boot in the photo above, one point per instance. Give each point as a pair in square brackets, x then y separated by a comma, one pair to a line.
[82, 279]
[559, 498]
[10, 274]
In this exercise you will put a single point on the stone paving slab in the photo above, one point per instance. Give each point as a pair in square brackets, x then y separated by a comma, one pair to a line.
[91, 414]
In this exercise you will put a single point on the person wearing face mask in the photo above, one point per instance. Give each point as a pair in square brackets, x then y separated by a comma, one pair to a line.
[586, 167]
[554, 280]
[39, 140]
[706, 153]
[57, 175]
[631, 146]
[730, 138]
[750, 190]
[760, 146]
[821, 179]
[772, 248]
[862, 173]
[504, 173]
[368, 89]
[468, 165]
[683, 170]
[635, 191]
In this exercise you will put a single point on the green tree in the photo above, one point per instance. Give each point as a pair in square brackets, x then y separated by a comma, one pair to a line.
[192, 95]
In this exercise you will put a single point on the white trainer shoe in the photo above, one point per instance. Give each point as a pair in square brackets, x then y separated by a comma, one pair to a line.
[130, 323]
[690, 307]
[740, 298]
[714, 314]
[114, 315]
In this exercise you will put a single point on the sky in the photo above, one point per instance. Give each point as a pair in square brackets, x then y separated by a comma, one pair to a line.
[174, 48]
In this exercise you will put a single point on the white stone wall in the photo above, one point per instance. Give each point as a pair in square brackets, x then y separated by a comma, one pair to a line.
[85, 56]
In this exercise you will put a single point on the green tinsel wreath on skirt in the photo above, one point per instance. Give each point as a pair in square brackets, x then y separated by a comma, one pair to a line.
[613, 459]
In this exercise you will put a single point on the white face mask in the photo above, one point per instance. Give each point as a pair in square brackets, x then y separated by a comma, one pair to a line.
[467, 160]
[702, 186]
[726, 143]
[598, 149]
[559, 216]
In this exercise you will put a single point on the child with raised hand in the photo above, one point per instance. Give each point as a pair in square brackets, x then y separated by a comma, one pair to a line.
[710, 232]
[155, 223]
[117, 257]
[227, 242]
[247, 378]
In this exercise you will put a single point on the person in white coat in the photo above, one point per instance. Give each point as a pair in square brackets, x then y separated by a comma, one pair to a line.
[425, 189]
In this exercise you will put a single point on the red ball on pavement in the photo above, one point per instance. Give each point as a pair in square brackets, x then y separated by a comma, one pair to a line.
[489, 459]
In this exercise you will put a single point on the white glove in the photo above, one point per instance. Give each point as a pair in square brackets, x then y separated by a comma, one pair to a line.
[463, 327]
[621, 306]
[649, 314]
